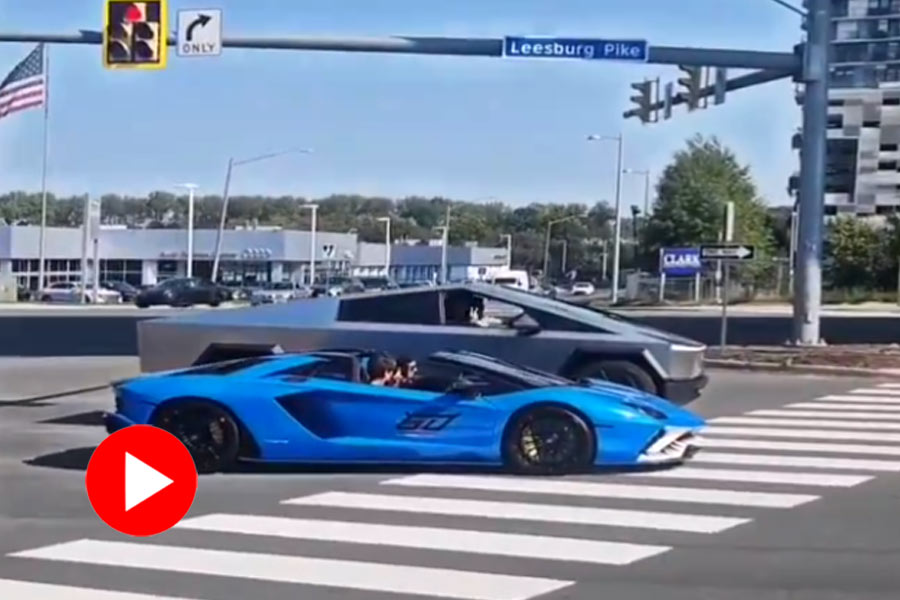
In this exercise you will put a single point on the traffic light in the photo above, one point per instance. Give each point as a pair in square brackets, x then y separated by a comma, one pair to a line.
[644, 100]
[135, 34]
[691, 83]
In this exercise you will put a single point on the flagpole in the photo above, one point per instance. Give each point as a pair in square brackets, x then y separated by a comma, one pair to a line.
[44, 168]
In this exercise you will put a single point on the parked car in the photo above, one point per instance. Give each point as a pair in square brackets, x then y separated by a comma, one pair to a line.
[532, 330]
[180, 292]
[70, 291]
[280, 291]
[462, 408]
[583, 288]
[125, 289]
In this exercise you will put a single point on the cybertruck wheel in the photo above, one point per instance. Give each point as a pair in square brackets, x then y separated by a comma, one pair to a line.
[622, 372]
[210, 434]
[548, 440]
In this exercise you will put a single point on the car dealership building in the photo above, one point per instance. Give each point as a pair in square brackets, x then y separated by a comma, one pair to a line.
[147, 256]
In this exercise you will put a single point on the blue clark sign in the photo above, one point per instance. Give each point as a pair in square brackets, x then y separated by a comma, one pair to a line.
[589, 49]
[681, 262]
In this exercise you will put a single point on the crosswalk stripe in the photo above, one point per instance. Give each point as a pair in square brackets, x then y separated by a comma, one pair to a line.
[859, 399]
[29, 590]
[445, 583]
[824, 423]
[863, 436]
[885, 412]
[605, 490]
[538, 547]
[815, 479]
[782, 460]
[723, 442]
[893, 386]
[523, 511]
[877, 391]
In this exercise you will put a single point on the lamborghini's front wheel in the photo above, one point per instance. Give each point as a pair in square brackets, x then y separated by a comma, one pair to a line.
[548, 440]
[210, 434]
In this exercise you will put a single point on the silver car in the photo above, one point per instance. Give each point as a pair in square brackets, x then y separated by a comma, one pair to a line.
[514, 325]
[282, 291]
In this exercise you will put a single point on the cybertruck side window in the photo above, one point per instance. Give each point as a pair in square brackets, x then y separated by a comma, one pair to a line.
[411, 309]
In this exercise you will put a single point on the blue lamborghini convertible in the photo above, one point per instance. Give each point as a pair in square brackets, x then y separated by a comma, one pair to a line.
[462, 408]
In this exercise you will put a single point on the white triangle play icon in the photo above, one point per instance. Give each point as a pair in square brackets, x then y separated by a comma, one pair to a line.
[141, 481]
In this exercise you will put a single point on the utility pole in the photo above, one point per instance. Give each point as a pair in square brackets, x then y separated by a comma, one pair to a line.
[808, 290]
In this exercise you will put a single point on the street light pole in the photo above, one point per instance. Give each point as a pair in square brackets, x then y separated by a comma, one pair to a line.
[190, 228]
[550, 225]
[223, 217]
[444, 242]
[313, 208]
[617, 229]
[508, 238]
[387, 245]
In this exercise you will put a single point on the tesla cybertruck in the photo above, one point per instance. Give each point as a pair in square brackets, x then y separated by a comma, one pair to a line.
[536, 331]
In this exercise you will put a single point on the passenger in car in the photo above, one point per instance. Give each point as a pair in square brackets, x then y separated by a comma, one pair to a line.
[381, 370]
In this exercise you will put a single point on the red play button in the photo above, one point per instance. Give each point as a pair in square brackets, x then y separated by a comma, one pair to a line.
[141, 480]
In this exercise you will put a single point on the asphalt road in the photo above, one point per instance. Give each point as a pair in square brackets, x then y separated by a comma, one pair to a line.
[769, 511]
[112, 331]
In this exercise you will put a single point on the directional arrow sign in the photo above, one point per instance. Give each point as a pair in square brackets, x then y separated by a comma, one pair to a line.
[727, 252]
[200, 32]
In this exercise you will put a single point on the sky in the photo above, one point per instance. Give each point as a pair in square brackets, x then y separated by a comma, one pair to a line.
[470, 128]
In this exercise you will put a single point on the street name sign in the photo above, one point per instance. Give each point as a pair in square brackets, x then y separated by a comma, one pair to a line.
[584, 48]
[200, 32]
[727, 252]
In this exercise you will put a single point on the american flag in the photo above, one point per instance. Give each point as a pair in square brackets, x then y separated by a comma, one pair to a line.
[24, 87]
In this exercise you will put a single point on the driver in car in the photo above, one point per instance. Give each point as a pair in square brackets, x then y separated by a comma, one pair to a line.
[406, 374]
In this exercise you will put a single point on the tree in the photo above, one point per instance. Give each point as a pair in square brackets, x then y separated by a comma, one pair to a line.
[691, 197]
[855, 256]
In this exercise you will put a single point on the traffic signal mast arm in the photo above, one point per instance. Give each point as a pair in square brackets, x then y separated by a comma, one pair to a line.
[731, 85]
[661, 55]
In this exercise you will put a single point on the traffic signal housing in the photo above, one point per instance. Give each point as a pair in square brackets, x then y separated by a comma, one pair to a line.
[692, 83]
[644, 100]
[135, 34]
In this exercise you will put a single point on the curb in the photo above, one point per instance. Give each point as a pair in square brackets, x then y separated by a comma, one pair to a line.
[741, 365]
[53, 396]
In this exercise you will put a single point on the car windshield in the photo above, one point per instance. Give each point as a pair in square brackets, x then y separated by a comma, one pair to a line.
[529, 377]
[281, 285]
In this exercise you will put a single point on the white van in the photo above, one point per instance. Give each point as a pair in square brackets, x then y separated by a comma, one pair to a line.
[513, 279]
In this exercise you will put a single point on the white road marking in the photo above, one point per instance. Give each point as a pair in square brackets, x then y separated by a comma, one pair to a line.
[877, 391]
[590, 489]
[884, 412]
[810, 462]
[522, 511]
[828, 434]
[29, 590]
[816, 479]
[860, 399]
[824, 423]
[445, 583]
[798, 446]
[538, 547]
[892, 386]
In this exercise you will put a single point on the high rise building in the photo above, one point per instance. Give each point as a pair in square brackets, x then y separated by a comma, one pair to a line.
[863, 170]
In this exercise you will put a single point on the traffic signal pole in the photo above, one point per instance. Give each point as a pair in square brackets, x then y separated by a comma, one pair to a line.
[808, 290]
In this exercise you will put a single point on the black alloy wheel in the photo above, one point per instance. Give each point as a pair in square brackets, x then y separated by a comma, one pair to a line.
[210, 434]
[549, 440]
[622, 372]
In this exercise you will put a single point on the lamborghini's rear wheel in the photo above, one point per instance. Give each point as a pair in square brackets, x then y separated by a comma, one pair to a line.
[210, 434]
[548, 440]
